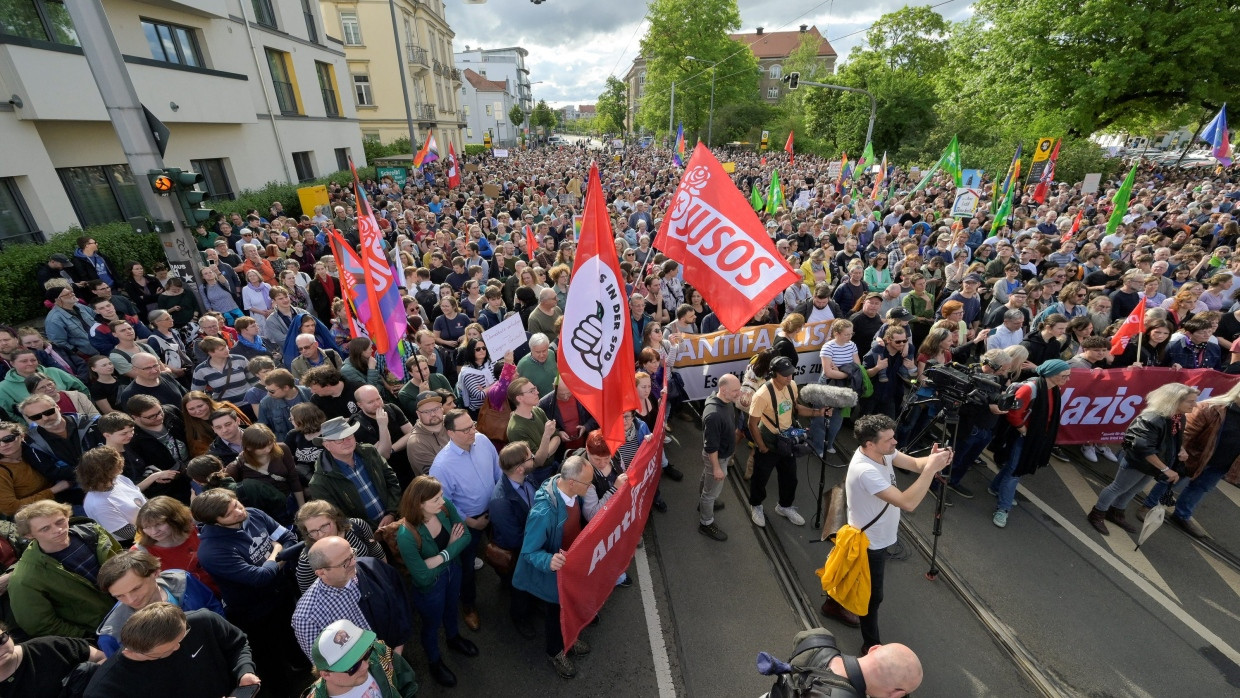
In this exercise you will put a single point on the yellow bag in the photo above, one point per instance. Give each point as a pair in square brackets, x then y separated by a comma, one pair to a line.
[846, 574]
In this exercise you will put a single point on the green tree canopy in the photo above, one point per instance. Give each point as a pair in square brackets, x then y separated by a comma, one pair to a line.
[516, 117]
[542, 116]
[613, 105]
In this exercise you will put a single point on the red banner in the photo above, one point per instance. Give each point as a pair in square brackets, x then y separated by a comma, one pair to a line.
[605, 547]
[1098, 404]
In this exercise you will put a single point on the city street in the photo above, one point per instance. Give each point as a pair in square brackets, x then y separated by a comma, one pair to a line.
[1044, 607]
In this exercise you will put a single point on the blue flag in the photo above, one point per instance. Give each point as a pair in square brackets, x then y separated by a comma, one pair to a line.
[1215, 133]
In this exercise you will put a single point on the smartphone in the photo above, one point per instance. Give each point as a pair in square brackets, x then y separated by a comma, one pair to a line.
[246, 691]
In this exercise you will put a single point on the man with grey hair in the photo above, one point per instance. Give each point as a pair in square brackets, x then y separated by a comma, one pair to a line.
[543, 317]
[1010, 332]
[540, 364]
[718, 447]
[254, 261]
[363, 590]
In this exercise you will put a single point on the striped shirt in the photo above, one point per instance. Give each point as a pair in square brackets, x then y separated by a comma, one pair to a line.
[839, 354]
[360, 538]
[231, 383]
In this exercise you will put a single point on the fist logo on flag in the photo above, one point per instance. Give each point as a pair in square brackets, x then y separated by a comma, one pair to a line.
[595, 333]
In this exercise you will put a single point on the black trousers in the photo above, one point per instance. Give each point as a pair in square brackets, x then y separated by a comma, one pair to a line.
[554, 638]
[784, 466]
[869, 622]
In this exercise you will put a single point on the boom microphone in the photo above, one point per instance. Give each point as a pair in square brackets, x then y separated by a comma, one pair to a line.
[818, 396]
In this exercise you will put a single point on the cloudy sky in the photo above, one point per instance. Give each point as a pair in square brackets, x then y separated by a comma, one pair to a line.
[575, 44]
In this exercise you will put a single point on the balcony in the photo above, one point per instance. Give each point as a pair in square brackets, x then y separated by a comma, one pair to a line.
[416, 55]
[438, 67]
[424, 112]
[460, 117]
[456, 74]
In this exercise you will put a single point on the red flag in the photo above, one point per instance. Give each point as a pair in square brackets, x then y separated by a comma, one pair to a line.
[712, 230]
[347, 282]
[1048, 173]
[788, 147]
[377, 274]
[531, 243]
[763, 161]
[596, 342]
[1076, 225]
[454, 173]
[1132, 327]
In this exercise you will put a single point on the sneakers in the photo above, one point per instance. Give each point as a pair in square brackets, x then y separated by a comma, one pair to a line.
[1060, 454]
[830, 448]
[659, 505]
[999, 519]
[794, 517]
[712, 531]
[674, 473]
[580, 648]
[478, 564]
[1190, 526]
[563, 666]
[961, 490]
[757, 516]
[1108, 454]
[1090, 453]
[625, 582]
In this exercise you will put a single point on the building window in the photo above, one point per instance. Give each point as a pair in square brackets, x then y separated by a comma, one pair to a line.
[304, 165]
[361, 87]
[351, 29]
[312, 29]
[370, 136]
[16, 225]
[772, 92]
[214, 178]
[282, 78]
[488, 108]
[327, 85]
[172, 44]
[102, 194]
[41, 20]
[264, 14]
[776, 71]
[641, 78]
[469, 133]
[342, 159]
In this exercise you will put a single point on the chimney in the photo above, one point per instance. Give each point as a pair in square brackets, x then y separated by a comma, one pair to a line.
[759, 31]
[804, 28]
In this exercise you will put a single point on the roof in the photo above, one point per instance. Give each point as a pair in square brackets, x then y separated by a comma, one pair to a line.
[780, 44]
[481, 84]
[586, 108]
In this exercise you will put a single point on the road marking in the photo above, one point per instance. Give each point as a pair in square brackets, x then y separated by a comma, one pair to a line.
[654, 628]
[1230, 577]
[1232, 493]
[1119, 542]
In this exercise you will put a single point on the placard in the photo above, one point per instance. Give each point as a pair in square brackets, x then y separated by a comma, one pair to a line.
[472, 167]
[729, 167]
[1089, 185]
[972, 178]
[506, 336]
[491, 191]
[309, 197]
[967, 200]
[500, 152]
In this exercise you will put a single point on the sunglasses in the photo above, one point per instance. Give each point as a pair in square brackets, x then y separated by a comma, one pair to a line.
[361, 662]
[41, 415]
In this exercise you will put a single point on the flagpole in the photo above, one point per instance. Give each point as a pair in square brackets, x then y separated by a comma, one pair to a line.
[1140, 335]
[1200, 130]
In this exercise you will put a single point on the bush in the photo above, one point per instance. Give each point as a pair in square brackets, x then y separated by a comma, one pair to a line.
[286, 194]
[18, 264]
[475, 149]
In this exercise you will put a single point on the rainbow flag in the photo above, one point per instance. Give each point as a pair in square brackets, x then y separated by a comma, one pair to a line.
[428, 153]
[678, 153]
[1215, 133]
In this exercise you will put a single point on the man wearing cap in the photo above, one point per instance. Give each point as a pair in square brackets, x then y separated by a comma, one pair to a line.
[1036, 422]
[770, 412]
[353, 662]
[363, 590]
[354, 476]
[468, 468]
[1016, 300]
[68, 323]
[867, 321]
[969, 297]
[57, 267]
[428, 437]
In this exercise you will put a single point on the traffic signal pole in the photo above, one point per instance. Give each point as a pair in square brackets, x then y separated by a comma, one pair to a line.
[794, 82]
[129, 120]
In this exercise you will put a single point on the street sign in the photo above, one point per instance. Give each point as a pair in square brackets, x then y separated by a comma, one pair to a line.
[766, 139]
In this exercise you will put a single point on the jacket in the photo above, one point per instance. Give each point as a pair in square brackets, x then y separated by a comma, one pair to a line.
[82, 429]
[551, 407]
[390, 671]
[63, 330]
[236, 558]
[415, 554]
[1151, 434]
[329, 484]
[185, 591]
[508, 513]
[1201, 439]
[153, 451]
[277, 413]
[47, 599]
[13, 387]
[84, 269]
[1042, 350]
[385, 601]
[544, 534]
[1179, 351]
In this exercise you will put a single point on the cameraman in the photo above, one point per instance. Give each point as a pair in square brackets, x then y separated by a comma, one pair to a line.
[886, 671]
[977, 425]
[771, 412]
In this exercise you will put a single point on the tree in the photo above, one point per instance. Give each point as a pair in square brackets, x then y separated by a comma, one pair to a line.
[698, 28]
[542, 116]
[516, 117]
[613, 105]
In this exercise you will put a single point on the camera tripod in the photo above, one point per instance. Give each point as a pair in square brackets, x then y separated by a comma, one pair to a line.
[948, 422]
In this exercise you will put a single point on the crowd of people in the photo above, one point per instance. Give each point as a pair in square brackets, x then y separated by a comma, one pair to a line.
[229, 464]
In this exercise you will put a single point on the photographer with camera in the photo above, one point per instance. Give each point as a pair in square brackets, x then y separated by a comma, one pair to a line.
[818, 668]
[1036, 421]
[978, 419]
[771, 422]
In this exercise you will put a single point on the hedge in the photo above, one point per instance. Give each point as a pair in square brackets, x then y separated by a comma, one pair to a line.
[18, 264]
[475, 149]
[286, 194]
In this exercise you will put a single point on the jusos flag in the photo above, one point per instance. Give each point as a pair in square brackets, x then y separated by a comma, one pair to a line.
[605, 547]
[454, 173]
[715, 234]
[596, 342]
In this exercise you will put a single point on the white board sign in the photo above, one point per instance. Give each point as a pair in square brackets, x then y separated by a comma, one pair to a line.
[967, 200]
[1089, 185]
[505, 337]
[500, 152]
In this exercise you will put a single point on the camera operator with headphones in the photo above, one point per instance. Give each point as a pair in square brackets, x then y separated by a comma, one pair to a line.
[817, 669]
[771, 423]
[977, 426]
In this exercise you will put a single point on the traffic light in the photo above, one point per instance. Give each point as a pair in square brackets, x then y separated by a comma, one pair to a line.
[184, 185]
[794, 79]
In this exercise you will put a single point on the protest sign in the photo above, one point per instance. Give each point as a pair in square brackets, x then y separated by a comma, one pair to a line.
[504, 337]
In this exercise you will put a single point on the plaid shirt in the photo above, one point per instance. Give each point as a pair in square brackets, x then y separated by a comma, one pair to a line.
[356, 472]
[323, 605]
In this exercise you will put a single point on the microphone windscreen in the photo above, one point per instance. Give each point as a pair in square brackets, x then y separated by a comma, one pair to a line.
[818, 395]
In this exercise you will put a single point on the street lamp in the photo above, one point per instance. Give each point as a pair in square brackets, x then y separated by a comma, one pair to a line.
[710, 115]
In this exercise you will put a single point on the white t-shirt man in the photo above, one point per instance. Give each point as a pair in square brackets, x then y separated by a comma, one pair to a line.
[865, 479]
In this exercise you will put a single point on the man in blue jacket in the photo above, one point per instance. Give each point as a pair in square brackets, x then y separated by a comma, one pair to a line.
[510, 507]
[135, 580]
[555, 520]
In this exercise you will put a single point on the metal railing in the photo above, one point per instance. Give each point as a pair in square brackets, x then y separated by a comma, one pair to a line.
[456, 74]
[417, 55]
[424, 112]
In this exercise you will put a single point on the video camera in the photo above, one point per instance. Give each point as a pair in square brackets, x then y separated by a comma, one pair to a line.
[807, 673]
[967, 385]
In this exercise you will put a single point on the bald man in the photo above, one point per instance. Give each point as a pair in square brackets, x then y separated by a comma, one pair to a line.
[718, 446]
[890, 671]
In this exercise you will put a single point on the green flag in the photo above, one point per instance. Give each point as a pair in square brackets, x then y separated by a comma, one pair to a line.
[1005, 211]
[950, 161]
[867, 159]
[755, 198]
[1121, 200]
[774, 195]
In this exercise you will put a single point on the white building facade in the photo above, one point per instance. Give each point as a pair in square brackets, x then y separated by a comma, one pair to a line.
[487, 104]
[501, 64]
[250, 90]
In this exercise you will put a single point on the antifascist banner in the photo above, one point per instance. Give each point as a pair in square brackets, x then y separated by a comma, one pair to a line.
[1098, 404]
[705, 358]
[603, 550]
[714, 233]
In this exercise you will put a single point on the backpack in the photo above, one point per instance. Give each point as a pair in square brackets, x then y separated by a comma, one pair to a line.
[428, 298]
